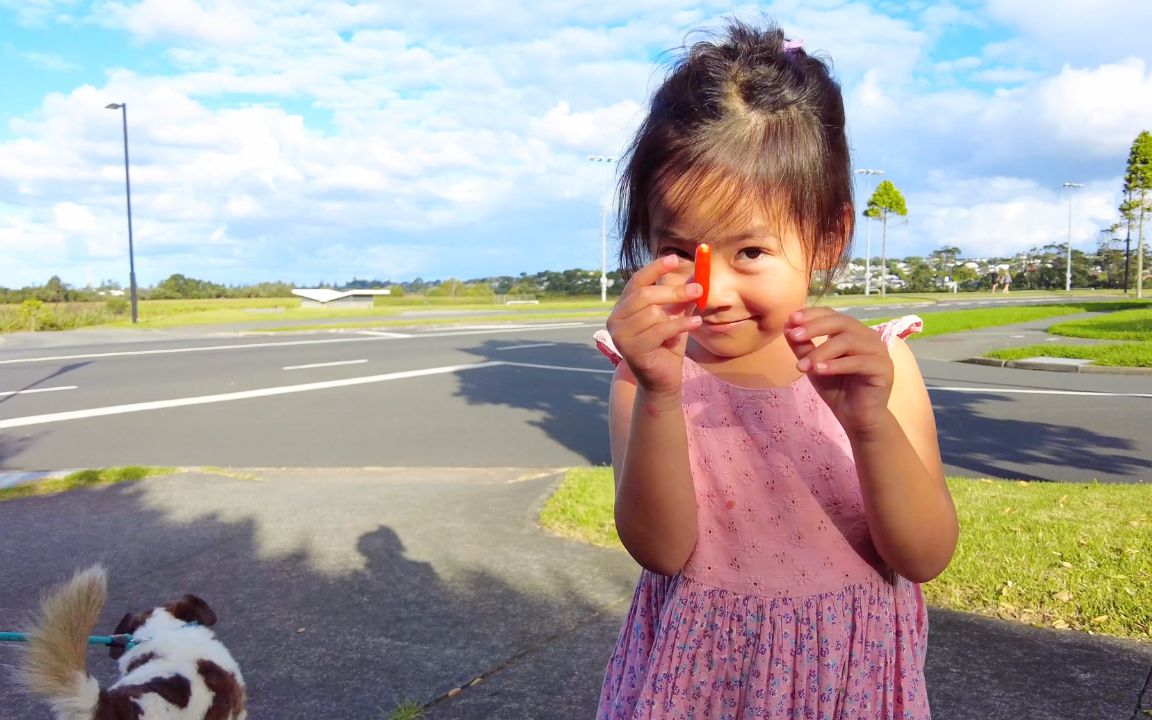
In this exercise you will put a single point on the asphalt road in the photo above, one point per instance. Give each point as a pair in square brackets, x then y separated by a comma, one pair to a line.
[476, 396]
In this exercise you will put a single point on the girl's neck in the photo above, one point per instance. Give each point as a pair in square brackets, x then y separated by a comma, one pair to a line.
[772, 366]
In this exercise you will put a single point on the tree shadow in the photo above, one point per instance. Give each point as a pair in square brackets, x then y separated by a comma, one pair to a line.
[11, 446]
[571, 407]
[977, 443]
[62, 370]
[338, 599]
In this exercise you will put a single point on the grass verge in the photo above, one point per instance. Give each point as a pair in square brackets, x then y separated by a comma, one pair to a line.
[1057, 555]
[81, 479]
[1112, 355]
[1135, 324]
[952, 321]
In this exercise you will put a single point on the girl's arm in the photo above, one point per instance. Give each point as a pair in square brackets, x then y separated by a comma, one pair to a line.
[910, 512]
[655, 499]
[878, 395]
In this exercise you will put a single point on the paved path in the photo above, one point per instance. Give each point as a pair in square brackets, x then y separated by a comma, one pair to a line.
[346, 592]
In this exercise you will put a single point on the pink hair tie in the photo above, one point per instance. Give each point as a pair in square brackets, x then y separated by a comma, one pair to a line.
[793, 45]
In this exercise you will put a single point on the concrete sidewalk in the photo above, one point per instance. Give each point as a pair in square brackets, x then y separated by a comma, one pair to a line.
[344, 593]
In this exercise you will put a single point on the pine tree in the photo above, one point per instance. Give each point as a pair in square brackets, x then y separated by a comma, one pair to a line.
[1137, 205]
[887, 200]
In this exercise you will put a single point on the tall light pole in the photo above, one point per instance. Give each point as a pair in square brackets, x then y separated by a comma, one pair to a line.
[123, 108]
[868, 249]
[1070, 186]
[603, 229]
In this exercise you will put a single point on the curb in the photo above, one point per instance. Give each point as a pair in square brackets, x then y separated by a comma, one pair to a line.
[1054, 367]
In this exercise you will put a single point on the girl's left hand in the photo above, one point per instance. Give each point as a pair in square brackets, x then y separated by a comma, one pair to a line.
[851, 369]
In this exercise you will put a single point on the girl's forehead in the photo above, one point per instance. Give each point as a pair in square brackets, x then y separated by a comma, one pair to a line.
[716, 215]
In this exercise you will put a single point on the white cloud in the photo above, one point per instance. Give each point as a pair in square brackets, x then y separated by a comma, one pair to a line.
[1001, 216]
[420, 138]
[1075, 31]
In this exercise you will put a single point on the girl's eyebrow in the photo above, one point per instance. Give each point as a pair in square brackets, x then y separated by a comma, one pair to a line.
[757, 233]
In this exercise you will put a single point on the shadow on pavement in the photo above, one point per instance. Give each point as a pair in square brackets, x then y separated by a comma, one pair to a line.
[571, 407]
[338, 600]
[11, 446]
[978, 443]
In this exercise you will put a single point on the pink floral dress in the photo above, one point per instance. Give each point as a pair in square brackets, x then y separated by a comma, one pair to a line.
[785, 609]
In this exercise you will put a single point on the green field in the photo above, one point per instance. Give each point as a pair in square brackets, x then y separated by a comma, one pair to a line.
[388, 310]
[1049, 554]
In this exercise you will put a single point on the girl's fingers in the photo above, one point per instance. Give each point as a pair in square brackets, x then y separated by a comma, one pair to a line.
[661, 295]
[818, 322]
[664, 334]
[652, 273]
[845, 365]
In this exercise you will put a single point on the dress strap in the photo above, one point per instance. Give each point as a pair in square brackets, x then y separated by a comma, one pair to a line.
[900, 327]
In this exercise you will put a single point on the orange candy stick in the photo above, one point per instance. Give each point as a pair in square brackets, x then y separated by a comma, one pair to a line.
[703, 272]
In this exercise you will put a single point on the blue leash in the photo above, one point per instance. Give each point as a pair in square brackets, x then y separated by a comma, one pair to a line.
[125, 641]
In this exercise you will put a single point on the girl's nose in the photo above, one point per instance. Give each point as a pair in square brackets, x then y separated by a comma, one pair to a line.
[721, 286]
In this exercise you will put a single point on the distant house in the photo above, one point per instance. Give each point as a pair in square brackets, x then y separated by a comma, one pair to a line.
[325, 298]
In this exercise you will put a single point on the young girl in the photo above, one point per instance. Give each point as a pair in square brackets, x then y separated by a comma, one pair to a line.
[777, 469]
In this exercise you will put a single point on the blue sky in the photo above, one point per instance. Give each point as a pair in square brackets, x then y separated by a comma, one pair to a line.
[312, 141]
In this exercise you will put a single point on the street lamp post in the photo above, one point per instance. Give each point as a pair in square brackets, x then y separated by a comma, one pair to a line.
[1068, 267]
[868, 249]
[123, 108]
[603, 230]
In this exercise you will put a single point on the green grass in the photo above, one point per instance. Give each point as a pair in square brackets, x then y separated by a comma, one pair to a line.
[953, 321]
[82, 479]
[1133, 324]
[582, 507]
[1051, 554]
[221, 311]
[1111, 355]
[410, 710]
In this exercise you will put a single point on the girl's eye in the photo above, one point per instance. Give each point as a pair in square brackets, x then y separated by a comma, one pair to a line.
[672, 250]
[752, 252]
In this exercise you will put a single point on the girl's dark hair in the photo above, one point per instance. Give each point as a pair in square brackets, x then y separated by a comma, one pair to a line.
[742, 116]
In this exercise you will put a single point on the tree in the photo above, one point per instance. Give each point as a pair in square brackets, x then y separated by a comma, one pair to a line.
[887, 200]
[1137, 205]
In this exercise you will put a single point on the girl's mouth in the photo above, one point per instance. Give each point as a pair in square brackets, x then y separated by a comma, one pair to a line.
[721, 328]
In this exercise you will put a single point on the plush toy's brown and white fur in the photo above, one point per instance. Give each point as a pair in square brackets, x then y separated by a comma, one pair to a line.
[178, 671]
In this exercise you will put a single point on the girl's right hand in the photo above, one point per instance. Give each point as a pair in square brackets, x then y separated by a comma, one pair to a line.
[650, 324]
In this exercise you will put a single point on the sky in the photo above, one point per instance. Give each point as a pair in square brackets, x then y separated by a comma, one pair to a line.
[313, 141]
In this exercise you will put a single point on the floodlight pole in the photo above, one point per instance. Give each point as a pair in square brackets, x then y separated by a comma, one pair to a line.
[603, 230]
[1068, 264]
[123, 108]
[868, 249]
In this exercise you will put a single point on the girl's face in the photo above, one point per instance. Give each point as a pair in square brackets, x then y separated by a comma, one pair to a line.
[759, 270]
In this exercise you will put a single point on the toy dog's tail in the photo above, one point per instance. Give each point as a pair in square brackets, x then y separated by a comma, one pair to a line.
[55, 664]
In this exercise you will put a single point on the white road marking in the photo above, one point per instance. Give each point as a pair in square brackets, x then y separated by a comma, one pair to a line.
[565, 368]
[290, 343]
[376, 333]
[324, 365]
[9, 393]
[272, 391]
[229, 397]
[525, 347]
[1025, 391]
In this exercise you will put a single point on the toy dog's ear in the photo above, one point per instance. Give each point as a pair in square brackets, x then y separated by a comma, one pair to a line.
[192, 609]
